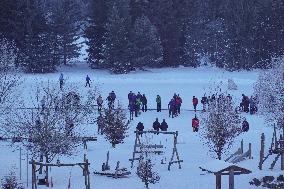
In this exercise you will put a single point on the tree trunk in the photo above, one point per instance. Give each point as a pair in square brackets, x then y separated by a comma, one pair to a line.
[46, 169]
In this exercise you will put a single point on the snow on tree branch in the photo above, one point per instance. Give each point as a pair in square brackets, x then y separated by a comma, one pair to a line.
[115, 125]
[269, 89]
[221, 123]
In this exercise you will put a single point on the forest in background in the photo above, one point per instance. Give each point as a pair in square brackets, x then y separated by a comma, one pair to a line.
[127, 35]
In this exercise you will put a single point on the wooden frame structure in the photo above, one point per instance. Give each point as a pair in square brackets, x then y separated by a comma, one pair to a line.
[137, 146]
[240, 155]
[85, 166]
[226, 169]
[276, 148]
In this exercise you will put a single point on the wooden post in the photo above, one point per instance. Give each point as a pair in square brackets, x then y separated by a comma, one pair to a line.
[261, 155]
[107, 166]
[134, 150]
[231, 179]
[218, 181]
[116, 169]
[33, 179]
[282, 152]
[242, 146]
[250, 157]
[88, 174]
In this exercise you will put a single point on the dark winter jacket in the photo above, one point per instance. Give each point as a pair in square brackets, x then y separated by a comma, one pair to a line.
[140, 126]
[164, 126]
[158, 99]
[156, 125]
[245, 126]
[144, 100]
[172, 104]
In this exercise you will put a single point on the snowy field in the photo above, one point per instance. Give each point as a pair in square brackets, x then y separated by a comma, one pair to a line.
[187, 82]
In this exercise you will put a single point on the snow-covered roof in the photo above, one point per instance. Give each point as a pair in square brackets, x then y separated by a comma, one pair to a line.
[220, 166]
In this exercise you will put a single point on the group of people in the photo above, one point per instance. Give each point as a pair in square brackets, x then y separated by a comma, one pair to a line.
[157, 126]
[110, 99]
[136, 102]
[174, 106]
[61, 81]
[206, 100]
[249, 105]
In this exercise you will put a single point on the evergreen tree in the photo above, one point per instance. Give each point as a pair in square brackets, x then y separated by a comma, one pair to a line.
[118, 46]
[115, 125]
[147, 45]
[65, 28]
[35, 53]
[96, 32]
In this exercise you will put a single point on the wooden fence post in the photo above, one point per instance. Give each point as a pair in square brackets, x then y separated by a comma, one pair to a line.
[261, 155]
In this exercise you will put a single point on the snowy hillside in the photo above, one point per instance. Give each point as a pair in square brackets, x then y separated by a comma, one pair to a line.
[187, 82]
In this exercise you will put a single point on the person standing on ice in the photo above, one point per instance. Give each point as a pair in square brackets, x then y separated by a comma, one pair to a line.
[194, 102]
[178, 103]
[61, 80]
[245, 125]
[100, 103]
[159, 103]
[204, 101]
[195, 124]
[144, 103]
[88, 79]
[171, 107]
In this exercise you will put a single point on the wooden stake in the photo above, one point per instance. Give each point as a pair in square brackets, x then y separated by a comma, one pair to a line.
[231, 179]
[261, 154]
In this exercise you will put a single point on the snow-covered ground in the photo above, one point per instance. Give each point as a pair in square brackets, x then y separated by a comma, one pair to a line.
[184, 81]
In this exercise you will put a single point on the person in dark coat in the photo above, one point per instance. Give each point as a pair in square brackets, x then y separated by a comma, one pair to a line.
[204, 102]
[156, 125]
[171, 107]
[144, 103]
[139, 128]
[194, 102]
[61, 81]
[139, 96]
[88, 79]
[131, 107]
[245, 126]
[164, 125]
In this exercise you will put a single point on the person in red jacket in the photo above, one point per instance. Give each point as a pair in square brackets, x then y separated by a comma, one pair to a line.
[194, 102]
[178, 103]
[195, 124]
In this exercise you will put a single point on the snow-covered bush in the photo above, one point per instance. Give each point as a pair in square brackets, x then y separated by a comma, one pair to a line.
[10, 182]
[221, 123]
[145, 172]
[269, 182]
[269, 89]
[232, 85]
[115, 125]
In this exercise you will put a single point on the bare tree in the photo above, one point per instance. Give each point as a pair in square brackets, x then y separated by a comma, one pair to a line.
[221, 123]
[51, 129]
[269, 90]
[10, 79]
[115, 125]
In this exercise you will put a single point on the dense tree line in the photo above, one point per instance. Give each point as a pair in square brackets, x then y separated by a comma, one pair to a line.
[132, 34]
